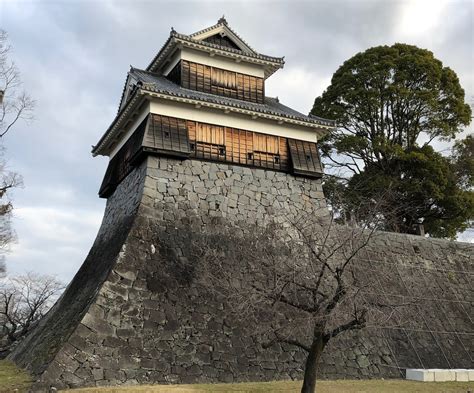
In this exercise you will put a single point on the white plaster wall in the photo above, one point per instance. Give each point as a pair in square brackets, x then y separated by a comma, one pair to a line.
[215, 61]
[235, 120]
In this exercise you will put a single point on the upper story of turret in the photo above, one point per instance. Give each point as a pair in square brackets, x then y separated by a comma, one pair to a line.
[203, 97]
[217, 61]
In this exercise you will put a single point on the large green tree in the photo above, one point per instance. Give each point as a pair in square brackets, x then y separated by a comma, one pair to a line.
[391, 103]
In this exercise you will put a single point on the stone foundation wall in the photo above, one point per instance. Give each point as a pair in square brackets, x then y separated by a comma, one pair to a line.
[143, 320]
[176, 189]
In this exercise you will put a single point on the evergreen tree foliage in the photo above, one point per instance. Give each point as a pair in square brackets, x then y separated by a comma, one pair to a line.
[391, 103]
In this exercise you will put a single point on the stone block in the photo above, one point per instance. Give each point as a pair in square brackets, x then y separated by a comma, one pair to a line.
[126, 333]
[471, 375]
[438, 375]
[72, 379]
[113, 342]
[420, 375]
[98, 374]
[462, 375]
[98, 325]
[444, 375]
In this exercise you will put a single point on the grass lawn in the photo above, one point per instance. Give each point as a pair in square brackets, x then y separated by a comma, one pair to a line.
[12, 378]
[347, 386]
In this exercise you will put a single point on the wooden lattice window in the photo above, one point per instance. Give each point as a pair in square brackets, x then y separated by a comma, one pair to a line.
[207, 141]
[237, 146]
[266, 150]
[167, 134]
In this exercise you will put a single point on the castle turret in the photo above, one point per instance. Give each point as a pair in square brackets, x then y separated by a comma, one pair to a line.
[203, 97]
[196, 142]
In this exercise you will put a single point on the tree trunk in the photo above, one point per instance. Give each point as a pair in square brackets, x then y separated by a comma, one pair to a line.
[311, 366]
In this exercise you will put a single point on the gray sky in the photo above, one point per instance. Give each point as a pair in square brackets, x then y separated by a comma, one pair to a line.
[74, 56]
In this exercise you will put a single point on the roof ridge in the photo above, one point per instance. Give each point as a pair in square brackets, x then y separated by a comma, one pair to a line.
[205, 30]
[124, 89]
[223, 22]
[227, 49]
[148, 72]
[174, 35]
[162, 48]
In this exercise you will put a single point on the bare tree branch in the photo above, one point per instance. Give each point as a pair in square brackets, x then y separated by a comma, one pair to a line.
[299, 279]
[24, 300]
[15, 104]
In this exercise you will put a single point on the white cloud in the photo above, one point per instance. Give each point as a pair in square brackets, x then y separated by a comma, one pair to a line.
[74, 57]
[297, 87]
[52, 240]
[420, 17]
[50, 223]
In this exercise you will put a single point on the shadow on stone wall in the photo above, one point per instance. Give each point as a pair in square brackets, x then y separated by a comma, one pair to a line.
[136, 313]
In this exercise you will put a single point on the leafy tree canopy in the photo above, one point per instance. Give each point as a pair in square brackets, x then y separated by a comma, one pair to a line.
[463, 161]
[391, 103]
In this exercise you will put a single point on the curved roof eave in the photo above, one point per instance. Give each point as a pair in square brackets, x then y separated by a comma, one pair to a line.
[176, 39]
[321, 129]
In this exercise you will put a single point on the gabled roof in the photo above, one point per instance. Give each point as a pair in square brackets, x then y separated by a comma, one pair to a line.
[222, 28]
[198, 41]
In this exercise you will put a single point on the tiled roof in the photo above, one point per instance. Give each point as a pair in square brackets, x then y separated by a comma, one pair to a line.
[188, 40]
[222, 22]
[159, 84]
[227, 49]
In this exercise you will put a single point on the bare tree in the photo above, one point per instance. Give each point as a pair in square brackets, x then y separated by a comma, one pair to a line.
[24, 300]
[15, 105]
[297, 280]
[8, 181]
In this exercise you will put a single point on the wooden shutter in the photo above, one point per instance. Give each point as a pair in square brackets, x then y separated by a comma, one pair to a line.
[266, 143]
[167, 135]
[210, 134]
[305, 158]
[122, 163]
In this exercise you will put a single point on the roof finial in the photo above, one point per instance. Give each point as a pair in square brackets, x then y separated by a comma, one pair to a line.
[173, 30]
[222, 20]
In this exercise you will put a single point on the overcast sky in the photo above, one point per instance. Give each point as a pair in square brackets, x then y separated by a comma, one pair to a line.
[74, 56]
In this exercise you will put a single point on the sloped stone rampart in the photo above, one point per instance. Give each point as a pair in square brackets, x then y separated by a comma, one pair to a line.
[132, 316]
[37, 352]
